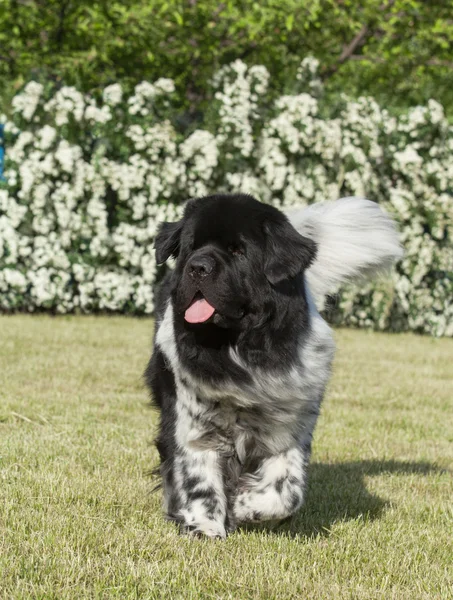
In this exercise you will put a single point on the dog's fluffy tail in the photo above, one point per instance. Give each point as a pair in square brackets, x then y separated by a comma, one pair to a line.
[356, 240]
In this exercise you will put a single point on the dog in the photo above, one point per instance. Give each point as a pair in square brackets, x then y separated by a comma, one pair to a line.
[241, 353]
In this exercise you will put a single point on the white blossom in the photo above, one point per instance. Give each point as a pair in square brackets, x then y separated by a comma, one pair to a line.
[27, 102]
[113, 94]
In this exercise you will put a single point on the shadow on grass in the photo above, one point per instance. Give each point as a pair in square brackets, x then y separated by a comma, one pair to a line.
[337, 492]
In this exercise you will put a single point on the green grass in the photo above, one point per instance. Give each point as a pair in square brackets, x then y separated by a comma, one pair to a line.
[77, 519]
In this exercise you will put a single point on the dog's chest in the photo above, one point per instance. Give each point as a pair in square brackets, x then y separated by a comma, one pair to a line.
[248, 421]
[230, 429]
[265, 416]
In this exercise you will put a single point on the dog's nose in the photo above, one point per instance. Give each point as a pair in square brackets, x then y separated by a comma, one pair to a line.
[201, 266]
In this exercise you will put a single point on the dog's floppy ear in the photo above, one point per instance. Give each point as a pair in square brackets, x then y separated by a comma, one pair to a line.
[287, 252]
[167, 241]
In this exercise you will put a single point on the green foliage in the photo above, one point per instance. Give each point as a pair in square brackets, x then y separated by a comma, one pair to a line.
[400, 51]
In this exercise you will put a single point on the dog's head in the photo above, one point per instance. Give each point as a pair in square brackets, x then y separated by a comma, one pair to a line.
[233, 255]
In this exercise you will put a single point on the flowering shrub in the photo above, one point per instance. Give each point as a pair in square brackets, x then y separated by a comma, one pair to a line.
[88, 182]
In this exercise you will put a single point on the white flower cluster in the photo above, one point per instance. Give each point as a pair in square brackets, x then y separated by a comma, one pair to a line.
[141, 103]
[89, 181]
[27, 102]
[113, 94]
[237, 91]
[307, 75]
[66, 103]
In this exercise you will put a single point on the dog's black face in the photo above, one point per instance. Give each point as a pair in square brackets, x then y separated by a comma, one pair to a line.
[233, 253]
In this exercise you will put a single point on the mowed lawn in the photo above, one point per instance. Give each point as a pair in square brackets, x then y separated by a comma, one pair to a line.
[77, 519]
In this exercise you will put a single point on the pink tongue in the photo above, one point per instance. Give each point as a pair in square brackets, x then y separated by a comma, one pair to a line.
[199, 311]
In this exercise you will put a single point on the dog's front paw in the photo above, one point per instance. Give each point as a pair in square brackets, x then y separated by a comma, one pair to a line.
[250, 507]
[202, 527]
[267, 504]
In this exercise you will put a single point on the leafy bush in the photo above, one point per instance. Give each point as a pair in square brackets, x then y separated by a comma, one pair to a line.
[400, 51]
[89, 181]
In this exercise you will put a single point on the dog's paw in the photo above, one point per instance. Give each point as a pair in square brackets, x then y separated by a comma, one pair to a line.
[203, 528]
[257, 505]
[250, 507]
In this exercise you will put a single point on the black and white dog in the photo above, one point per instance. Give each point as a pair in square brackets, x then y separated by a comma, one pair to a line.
[242, 356]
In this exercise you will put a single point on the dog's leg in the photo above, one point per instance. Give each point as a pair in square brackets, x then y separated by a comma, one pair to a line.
[275, 490]
[198, 469]
[199, 480]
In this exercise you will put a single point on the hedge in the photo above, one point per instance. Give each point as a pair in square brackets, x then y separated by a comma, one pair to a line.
[88, 182]
[399, 51]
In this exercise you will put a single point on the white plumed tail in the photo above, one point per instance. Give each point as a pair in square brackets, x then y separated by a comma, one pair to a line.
[355, 239]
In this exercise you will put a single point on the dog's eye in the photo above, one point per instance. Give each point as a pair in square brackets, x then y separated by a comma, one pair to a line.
[236, 250]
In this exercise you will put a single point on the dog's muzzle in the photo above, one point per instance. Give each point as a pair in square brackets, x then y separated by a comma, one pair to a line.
[201, 266]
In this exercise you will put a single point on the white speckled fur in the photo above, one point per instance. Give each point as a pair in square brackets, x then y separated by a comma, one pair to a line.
[275, 491]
